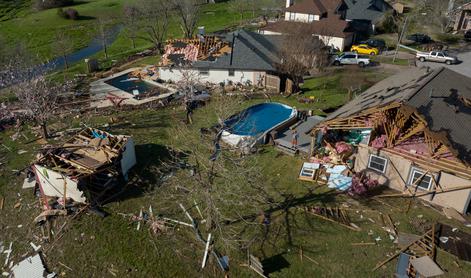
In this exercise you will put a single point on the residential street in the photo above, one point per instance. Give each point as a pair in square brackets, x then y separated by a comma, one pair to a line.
[464, 67]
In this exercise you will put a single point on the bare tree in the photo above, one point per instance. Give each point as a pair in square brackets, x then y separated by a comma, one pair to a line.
[63, 45]
[229, 188]
[103, 35]
[131, 22]
[154, 21]
[238, 7]
[297, 59]
[188, 11]
[37, 95]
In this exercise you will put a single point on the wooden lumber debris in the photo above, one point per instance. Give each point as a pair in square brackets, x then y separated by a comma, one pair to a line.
[256, 265]
[424, 246]
[335, 215]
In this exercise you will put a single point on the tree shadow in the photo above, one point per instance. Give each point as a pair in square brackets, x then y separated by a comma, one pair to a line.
[151, 170]
[275, 263]
[85, 17]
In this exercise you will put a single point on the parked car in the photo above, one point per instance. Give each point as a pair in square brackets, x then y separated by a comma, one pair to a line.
[364, 49]
[436, 56]
[351, 58]
[377, 43]
[419, 38]
[467, 36]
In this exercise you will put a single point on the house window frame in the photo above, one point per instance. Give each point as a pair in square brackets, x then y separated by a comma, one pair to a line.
[380, 157]
[231, 72]
[203, 71]
[416, 170]
[310, 18]
[292, 16]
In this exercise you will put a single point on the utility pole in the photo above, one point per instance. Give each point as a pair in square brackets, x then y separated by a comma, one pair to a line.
[400, 38]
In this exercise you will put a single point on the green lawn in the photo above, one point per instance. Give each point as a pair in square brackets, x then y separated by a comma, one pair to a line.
[98, 247]
[37, 29]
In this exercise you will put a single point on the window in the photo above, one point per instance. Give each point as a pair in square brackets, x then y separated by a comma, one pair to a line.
[204, 72]
[231, 72]
[425, 181]
[439, 54]
[292, 16]
[310, 18]
[348, 56]
[377, 163]
[433, 53]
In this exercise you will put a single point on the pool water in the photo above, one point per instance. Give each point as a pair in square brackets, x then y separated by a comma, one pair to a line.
[127, 83]
[258, 119]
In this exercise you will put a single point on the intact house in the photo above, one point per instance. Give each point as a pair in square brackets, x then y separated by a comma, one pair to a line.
[323, 18]
[85, 169]
[461, 16]
[239, 57]
[365, 15]
[415, 130]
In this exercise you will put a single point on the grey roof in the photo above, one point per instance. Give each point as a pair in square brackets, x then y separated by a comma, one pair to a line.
[251, 51]
[435, 94]
[368, 10]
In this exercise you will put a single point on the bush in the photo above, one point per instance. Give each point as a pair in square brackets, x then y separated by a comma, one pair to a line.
[68, 14]
[448, 38]
[49, 4]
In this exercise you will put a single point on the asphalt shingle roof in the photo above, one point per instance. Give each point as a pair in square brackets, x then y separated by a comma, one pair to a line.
[251, 51]
[369, 10]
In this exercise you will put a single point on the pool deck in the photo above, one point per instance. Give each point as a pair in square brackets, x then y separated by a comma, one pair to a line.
[100, 90]
[304, 140]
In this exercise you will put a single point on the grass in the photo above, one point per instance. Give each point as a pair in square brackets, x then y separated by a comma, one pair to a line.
[37, 29]
[98, 247]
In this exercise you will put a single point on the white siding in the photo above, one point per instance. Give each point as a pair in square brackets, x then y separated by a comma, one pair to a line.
[52, 184]
[299, 17]
[215, 75]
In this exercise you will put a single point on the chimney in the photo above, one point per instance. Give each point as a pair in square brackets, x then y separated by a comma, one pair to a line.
[289, 3]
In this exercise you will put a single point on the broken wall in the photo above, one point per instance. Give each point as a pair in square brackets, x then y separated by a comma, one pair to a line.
[52, 184]
[397, 173]
[128, 159]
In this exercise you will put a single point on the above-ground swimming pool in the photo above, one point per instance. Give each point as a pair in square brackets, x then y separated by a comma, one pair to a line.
[253, 123]
[128, 84]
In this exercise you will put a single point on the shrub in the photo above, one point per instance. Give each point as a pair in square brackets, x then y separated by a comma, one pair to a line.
[49, 4]
[68, 13]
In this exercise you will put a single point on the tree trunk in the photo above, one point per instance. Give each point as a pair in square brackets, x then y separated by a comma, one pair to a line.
[44, 132]
[133, 40]
[66, 65]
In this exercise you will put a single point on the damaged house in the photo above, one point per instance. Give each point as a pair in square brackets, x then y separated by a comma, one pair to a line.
[410, 132]
[239, 57]
[85, 168]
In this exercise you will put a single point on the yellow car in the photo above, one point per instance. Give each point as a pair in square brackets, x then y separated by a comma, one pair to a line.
[364, 49]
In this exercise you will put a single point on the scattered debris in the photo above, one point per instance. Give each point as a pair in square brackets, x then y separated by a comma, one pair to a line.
[31, 267]
[426, 267]
[256, 265]
[336, 215]
[453, 213]
[455, 242]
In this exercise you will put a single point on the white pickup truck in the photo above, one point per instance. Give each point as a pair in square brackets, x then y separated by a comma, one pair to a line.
[351, 58]
[436, 56]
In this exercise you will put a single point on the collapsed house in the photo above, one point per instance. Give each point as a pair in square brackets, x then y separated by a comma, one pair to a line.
[240, 57]
[410, 132]
[85, 168]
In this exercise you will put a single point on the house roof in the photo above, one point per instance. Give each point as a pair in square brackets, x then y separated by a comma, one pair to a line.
[369, 10]
[317, 7]
[308, 7]
[437, 95]
[250, 51]
[330, 26]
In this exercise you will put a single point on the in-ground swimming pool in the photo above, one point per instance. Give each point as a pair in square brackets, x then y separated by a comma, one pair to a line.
[128, 84]
[256, 121]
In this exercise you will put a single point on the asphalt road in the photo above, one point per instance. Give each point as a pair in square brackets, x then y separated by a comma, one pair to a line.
[464, 67]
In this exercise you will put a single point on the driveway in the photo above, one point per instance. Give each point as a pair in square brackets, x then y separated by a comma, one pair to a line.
[464, 67]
